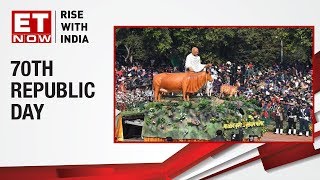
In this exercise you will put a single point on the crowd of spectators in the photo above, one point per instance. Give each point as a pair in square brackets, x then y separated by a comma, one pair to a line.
[270, 86]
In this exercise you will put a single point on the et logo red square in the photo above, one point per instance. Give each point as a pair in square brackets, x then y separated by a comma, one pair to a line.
[31, 27]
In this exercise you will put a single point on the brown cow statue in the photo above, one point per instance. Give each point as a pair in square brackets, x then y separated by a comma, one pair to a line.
[229, 90]
[188, 82]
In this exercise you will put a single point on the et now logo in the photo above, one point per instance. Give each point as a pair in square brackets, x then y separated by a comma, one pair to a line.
[31, 27]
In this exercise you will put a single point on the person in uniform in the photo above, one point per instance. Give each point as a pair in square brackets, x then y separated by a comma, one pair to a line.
[219, 136]
[292, 114]
[233, 73]
[279, 117]
[193, 62]
[304, 120]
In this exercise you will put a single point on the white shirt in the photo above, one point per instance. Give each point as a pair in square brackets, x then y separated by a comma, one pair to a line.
[194, 63]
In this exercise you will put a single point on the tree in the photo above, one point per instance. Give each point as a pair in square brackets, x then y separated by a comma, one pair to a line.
[130, 45]
[217, 45]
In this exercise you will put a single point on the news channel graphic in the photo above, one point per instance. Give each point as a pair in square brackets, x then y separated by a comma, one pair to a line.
[69, 26]
[213, 84]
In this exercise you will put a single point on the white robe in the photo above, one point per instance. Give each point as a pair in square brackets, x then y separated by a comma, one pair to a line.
[194, 62]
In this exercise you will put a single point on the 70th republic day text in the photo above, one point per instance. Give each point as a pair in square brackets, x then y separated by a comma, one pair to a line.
[33, 90]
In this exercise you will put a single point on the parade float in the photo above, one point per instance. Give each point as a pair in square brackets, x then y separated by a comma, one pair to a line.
[188, 118]
[196, 120]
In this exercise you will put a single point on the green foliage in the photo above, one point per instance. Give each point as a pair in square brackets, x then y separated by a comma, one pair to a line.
[160, 120]
[147, 121]
[220, 108]
[203, 103]
[231, 105]
[130, 44]
[197, 119]
[187, 104]
[171, 45]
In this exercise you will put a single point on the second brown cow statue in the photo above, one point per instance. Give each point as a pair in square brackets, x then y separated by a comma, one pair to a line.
[188, 83]
[229, 89]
